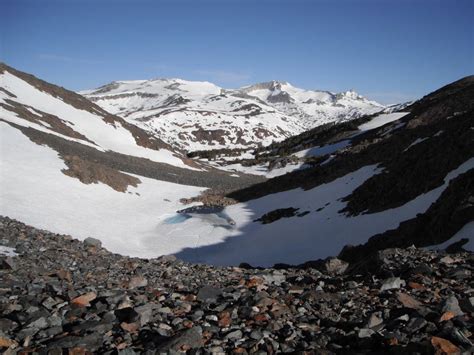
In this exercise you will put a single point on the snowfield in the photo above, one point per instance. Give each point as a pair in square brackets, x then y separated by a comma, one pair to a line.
[138, 223]
[36, 191]
[316, 235]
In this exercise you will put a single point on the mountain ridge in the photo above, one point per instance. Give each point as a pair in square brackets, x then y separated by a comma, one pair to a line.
[194, 115]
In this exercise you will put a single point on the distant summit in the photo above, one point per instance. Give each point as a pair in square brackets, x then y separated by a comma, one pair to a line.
[198, 115]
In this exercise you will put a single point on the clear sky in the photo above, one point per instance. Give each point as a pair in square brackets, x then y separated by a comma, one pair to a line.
[390, 51]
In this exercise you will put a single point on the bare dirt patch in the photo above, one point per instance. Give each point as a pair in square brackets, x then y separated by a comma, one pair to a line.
[92, 173]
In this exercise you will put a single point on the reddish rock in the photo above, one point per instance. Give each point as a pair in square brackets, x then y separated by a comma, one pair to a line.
[190, 298]
[261, 318]
[447, 316]
[137, 281]
[6, 343]
[443, 346]
[130, 327]
[224, 319]
[254, 282]
[64, 275]
[78, 351]
[416, 286]
[392, 341]
[408, 301]
[188, 324]
[84, 300]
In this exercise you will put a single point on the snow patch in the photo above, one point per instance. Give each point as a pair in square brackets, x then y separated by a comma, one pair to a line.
[325, 149]
[7, 251]
[381, 120]
[415, 142]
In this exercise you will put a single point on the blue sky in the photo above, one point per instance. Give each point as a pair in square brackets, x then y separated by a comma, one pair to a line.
[390, 51]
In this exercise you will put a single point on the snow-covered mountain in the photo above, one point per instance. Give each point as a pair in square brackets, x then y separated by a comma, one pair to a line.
[200, 115]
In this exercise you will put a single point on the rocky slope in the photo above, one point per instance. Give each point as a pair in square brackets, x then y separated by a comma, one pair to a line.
[200, 115]
[58, 294]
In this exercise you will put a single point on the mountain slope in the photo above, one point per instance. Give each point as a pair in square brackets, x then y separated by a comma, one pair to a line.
[30, 102]
[409, 179]
[389, 180]
[200, 115]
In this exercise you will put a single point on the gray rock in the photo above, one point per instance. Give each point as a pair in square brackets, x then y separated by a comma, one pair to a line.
[236, 334]
[460, 337]
[274, 277]
[256, 335]
[145, 312]
[374, 321]
[467, 304]
[49, 303]
[167, 258]
[365, 333]
[92, 242]
[7, 325]
[447, 260]
[461, 274]
[127, 315]
[137, 281]
[189, 339]
[451, 304]
[392, 284]
[212, 318]
[7, 263]
[208, 293]
[335, 266]
[90, 342]
[39, 323]
[127, 351]
[415, 324]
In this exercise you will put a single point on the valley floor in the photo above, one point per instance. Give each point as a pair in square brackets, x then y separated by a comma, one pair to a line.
[143, 221]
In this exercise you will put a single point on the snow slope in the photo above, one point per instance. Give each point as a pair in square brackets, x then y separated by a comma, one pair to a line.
[381, 120]
[35, 190]
[200, 115]
[99, 133]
